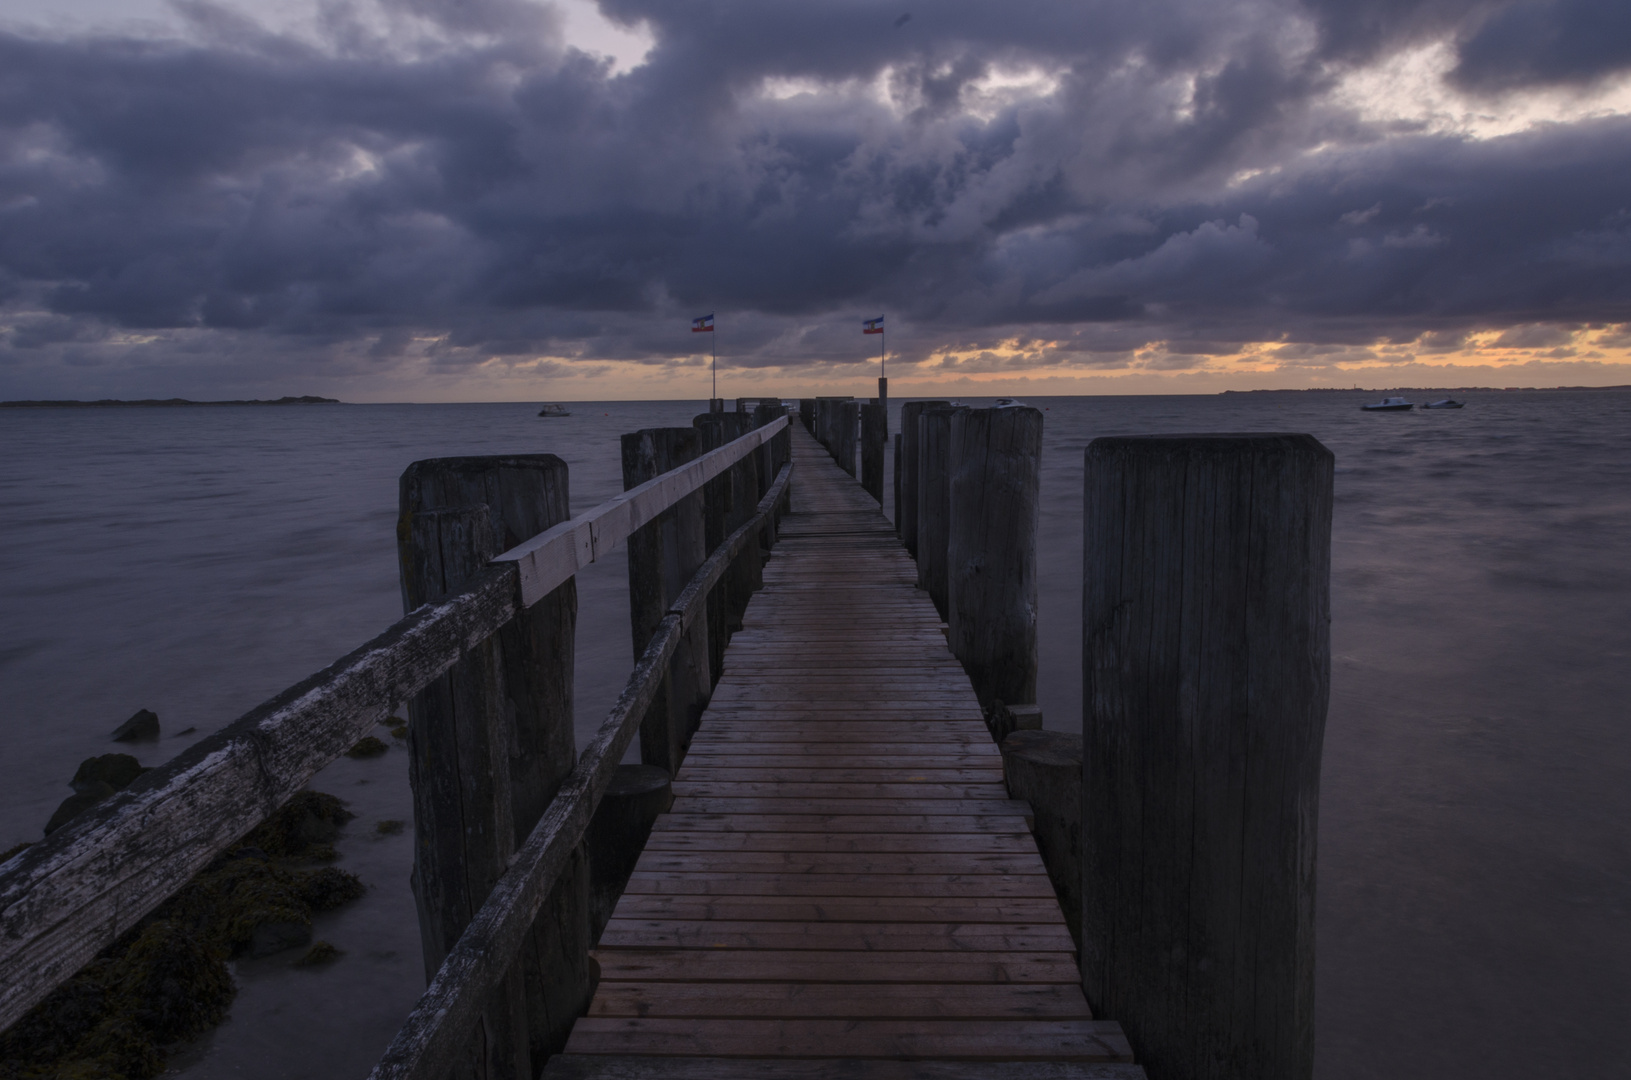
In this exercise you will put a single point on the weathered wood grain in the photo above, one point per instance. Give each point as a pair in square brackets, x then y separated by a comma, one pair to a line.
[459, 737]
[995, 465]
[874, 436]
[934, 501]
[910, 440]
[630, 1067]
[1206, 664]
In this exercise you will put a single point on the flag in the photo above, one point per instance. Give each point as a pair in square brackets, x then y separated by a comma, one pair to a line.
[703, 325]
[873, 326]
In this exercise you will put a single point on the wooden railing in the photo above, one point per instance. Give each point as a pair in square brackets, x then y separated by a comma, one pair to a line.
[68, 897]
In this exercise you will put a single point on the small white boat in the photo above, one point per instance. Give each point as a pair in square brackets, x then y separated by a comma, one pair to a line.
[1392, 404]
[554, 408]
[1447, 403]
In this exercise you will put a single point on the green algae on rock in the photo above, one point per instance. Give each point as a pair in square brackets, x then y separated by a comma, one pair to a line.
[368, 746]
[166, 979]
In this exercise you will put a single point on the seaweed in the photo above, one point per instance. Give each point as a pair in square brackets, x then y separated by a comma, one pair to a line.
[368, 746]
[166, 979]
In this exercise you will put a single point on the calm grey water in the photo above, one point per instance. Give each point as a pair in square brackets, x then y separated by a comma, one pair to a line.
[1475, 859]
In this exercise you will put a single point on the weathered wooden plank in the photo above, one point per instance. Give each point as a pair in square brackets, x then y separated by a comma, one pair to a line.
[813, 862]
[832, 934]
[858, 1001]
[919, 842]
[726, 789]
[839, 824]
[713, 882]
[628, 1067]
[908, 807]
[988, 1040]
[797, 965]
[899, 909]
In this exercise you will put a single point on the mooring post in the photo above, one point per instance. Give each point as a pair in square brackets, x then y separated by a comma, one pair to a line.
[934, 501]
[995, 465]
[874, 435]
[895, 506]
[906, 503]
[1206, 669]
[662, 556]
[459, 737]
[618, 832]
[849, 437]
[524, 495]
[807, 413]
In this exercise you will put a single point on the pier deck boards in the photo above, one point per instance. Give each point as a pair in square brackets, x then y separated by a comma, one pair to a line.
[842, 877]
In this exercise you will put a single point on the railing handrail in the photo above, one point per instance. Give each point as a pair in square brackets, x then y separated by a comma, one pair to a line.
[428, 1045]
[66, 898]
[554, 555]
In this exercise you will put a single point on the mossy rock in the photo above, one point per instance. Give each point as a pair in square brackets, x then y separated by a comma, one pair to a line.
[367, 747]
[74, 805]
[114, 770]
[309, 820]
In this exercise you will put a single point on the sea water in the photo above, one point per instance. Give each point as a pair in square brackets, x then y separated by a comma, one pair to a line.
[1474, 913]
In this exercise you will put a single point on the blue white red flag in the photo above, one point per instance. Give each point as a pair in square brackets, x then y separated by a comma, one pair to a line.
[872, 326]
[704, 325]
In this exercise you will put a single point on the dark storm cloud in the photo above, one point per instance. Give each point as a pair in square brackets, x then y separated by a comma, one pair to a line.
[449, 170]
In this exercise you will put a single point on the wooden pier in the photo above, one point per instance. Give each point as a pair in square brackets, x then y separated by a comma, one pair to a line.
[821, 868]
[842, 874]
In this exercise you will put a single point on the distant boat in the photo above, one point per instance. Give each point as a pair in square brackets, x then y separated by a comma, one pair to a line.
[1392, 404]
[554, 408]
[1447, 403]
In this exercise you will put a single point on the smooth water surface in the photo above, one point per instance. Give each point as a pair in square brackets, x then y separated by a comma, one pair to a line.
[1475, 860]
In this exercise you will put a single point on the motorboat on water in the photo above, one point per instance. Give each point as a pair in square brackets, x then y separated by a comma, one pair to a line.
[1392, 404]
[1446, 403]
[554, 408]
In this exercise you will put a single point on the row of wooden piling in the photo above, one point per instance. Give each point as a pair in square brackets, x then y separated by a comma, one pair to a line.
[1180, 826]
[491, 741]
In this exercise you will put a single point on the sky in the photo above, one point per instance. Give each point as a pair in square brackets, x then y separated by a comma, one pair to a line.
[482, 200]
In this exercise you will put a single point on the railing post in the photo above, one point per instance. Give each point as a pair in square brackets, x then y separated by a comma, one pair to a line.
[906, 457]
[459, 737]
[807, 413]
[663, 555]
[526, 494]
[874, 434]
[1206, 668]
[991, 583]
[934, 501]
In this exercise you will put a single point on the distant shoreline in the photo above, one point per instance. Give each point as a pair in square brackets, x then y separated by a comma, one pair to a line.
[161, 403]
[1423, 389]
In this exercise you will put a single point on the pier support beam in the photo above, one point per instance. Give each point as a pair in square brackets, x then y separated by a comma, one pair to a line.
[524, 494]
[874, 436]
[662, 556]
[1206, 668]
[459, 769]
[906, 459]
[934, 501]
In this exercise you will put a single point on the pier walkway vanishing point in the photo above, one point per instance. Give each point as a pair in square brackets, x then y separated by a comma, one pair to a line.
[842, 886]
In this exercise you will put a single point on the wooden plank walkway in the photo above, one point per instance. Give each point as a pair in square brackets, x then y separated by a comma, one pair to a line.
[842, 876]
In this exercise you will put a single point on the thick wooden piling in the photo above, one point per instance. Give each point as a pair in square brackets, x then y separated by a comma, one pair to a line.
[716, 512]
[662, 556]
[849, 423]
[617, 834]
[526, 494]
[1206, 670]
[995, 465]
[459, 736]
[895, 506]
[874, 435]
[934, 501]
[807, 413]
[907, 459]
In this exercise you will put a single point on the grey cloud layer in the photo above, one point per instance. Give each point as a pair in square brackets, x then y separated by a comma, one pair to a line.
[451, 169]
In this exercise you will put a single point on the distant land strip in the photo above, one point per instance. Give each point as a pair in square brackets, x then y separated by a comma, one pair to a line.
[160, 403]
[1419, 389]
